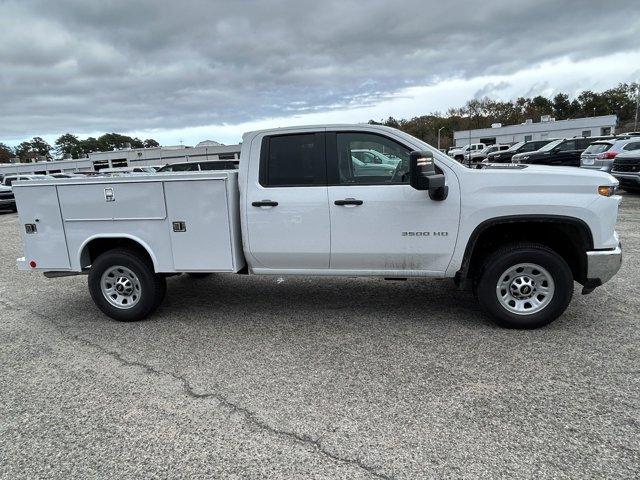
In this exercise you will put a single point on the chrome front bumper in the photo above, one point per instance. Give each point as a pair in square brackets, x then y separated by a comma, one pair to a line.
[602, 265]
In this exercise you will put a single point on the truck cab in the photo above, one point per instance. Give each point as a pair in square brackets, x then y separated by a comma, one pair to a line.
[459, 154]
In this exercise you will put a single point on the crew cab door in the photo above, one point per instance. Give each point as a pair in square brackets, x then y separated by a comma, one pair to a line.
[287, 205]
[379, 223]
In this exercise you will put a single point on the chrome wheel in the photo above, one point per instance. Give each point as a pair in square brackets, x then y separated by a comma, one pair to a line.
[121, 287]
[525, 289]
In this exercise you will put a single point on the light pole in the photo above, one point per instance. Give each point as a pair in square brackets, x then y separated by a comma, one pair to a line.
[635, 123]
[440, 129]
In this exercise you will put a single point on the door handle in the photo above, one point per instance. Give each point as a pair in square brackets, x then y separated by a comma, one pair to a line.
[348, 201]
[265, 203]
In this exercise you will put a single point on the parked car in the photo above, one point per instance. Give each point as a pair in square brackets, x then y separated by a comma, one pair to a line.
[599, 155]
[519, 236]
[504, 156]
[626, 169]
[370, 156]
[563, 152]
[362, 169]
[7, 200]
[200, 166]
[479, 155]
[459, 153]
[127, 170]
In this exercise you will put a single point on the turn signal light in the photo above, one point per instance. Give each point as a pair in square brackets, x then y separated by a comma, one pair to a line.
[606, 190]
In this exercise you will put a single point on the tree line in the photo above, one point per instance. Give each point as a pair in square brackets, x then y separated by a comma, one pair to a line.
[70, 146]
[476, 113]
[481, 113]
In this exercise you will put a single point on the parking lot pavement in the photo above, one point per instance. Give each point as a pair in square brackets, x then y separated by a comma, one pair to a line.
[250, 377]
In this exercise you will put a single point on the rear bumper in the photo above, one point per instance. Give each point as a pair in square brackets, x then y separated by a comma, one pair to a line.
[602, 265]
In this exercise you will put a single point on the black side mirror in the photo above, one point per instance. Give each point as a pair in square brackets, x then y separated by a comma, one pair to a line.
[423, 176]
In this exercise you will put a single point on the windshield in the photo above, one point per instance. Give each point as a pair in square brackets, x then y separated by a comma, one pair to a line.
[596, 148]
[515, 147]
[550, 146]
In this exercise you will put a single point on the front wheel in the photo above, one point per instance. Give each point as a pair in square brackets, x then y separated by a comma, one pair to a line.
[524, 286]
[124, 286]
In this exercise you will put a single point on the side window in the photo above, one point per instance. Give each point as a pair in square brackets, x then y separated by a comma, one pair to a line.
[632, 146]
[293, 160]
[8, 181]
[566, 146]
[393, 158]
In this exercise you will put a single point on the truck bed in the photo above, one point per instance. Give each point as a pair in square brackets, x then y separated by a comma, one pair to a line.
[187, 222]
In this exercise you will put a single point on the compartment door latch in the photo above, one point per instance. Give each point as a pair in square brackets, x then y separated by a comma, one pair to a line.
[179, 226]
[109, 196]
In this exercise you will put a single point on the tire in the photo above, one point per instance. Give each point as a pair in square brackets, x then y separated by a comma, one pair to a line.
[14, 209]
[459, 158]
[630, 189]
[509, 278]
[199, 275]
[142, 290]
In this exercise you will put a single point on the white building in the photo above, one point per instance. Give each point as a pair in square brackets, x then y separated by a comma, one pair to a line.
[129, 157]
[547, 128]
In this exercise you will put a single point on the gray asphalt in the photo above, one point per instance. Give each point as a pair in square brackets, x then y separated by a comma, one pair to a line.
[249, 377]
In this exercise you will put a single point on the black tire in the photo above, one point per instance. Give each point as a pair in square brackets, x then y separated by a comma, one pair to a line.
[14, 209]
[152, 289]
[630, 190]
[199, 275]
[512, 255]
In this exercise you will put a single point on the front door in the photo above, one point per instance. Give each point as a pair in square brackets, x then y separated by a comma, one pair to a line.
[379, 223]
[288, 212]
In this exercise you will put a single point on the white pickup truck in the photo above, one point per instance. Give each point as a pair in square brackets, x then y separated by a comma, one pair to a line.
[518, 235]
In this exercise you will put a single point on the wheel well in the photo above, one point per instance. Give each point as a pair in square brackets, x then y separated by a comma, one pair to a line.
[570, 239]
[98, 246]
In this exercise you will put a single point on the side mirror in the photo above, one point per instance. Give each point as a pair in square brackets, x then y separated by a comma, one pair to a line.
[423, 176]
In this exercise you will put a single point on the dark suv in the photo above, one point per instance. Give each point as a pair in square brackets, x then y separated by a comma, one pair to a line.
[626, 169]
[565, 152]
[504, 156]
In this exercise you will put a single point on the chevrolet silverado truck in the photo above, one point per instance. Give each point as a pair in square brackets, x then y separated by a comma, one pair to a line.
[519, 236]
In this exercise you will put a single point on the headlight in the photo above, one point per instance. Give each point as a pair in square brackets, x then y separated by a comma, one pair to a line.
[607, 190]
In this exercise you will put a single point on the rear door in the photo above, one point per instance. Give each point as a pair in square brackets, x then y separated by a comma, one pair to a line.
[567, 154]
[287, 210]
[379, 223]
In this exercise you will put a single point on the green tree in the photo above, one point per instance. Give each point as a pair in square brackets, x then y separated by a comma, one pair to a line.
[6, 153]
[35, 148]
[150, 142]
[562, 107]
[68, 146]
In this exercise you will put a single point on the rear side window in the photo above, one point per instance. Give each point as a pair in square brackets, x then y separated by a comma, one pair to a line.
[293, 160]
[632, 146]
[566, 146]
[596, 148]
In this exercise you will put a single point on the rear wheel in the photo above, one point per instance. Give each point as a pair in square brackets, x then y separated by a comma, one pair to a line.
[124, 286]
[524, 285]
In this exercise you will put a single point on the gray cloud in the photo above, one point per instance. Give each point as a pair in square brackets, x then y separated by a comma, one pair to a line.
[73, 65]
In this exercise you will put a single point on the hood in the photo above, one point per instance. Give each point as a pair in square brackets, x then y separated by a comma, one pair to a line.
[545, 175]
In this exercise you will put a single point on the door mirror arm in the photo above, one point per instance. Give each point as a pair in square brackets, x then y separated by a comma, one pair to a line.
[423, 176]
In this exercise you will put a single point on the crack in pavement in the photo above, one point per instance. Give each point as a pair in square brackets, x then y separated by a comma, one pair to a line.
[222, 400]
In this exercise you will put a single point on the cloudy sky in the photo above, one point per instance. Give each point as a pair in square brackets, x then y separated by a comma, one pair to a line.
[183, 70]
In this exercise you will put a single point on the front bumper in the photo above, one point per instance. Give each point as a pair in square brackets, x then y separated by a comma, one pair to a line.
[602, 265]
[627, 179]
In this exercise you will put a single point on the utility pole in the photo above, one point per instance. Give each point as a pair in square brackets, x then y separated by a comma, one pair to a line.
[440, 129]
[635, 123]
